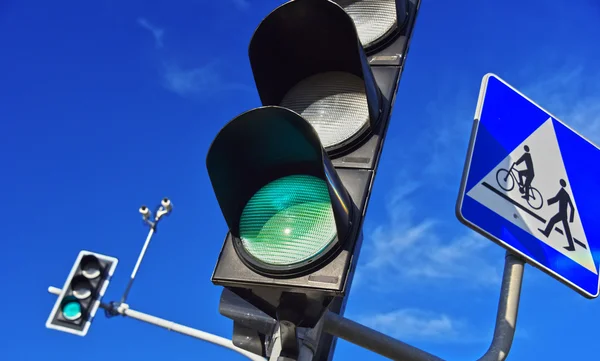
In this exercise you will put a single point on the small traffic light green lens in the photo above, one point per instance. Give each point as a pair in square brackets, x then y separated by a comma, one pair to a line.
[71, 310]
[288, 221]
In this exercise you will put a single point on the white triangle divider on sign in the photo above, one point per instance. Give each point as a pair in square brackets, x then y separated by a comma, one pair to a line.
[500, 192]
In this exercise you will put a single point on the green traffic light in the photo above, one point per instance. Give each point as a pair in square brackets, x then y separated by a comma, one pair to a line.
[288, 221]
[71, 309]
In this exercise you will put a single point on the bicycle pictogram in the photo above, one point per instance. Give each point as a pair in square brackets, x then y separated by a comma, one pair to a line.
[507, 179]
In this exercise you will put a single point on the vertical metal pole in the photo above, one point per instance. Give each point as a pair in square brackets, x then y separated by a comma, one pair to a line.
[137, 264]
[276, 345]
[307, 342]
[508, 309]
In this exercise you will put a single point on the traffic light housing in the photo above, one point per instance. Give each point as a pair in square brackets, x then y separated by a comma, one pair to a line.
[76, 306]
[293, 177]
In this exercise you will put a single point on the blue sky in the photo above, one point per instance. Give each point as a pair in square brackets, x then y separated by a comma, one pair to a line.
[108, 105]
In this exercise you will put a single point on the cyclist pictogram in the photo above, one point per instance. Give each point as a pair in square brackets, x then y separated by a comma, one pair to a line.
[507, 178]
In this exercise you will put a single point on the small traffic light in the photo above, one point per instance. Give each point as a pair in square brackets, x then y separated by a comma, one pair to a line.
[293, 177]
[81, 294]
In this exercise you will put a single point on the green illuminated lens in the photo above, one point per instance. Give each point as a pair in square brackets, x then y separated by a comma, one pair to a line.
[71, 310]
[289, 220]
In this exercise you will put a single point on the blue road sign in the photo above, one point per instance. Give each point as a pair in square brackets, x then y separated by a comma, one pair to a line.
[532, 185]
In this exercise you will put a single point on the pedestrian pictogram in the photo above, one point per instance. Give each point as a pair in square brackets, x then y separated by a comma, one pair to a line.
[564, 204]
[528, 186]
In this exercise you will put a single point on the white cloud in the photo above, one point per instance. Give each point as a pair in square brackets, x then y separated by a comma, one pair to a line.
[190, 81]
[157, 32]
[416, 325]
[425, 249]
[419, 325]
[412, 243]
[571, 93]
[201, 80]
[414, 247]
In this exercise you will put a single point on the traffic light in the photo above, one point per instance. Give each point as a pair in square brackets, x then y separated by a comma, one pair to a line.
[81, 294]
[293, 176]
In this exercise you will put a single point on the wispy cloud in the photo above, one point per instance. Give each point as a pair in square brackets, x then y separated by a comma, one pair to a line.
[413, 245]
[418, 325]
[241, 4]
[572, 94]
[203, 80]
[157, 32]
[191, 81]
[569, 90]
[408, 248]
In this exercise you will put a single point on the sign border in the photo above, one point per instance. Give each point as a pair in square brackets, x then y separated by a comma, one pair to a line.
[466, 171]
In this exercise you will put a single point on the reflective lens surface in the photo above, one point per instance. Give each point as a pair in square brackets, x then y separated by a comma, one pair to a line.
[82, 292]
[334, 103]
[372, 18]
[91, 271]
[288, 221]
[82, 288]
[90, 267]
[71, 310]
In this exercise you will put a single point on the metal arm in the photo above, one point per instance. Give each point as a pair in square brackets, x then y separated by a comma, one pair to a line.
[137, 265]
[124, 310]
[506, 322]
[164, 209]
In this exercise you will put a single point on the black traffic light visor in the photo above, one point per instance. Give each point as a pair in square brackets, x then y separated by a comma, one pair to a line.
[303, 38]
[263, 145]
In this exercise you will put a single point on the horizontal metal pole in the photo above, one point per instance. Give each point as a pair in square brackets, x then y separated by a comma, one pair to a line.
[188, 331]
[172, 326]
[506, 322]
[373, 340]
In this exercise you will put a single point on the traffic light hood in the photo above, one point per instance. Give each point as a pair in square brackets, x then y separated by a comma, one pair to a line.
[314, 45]
[264, 158]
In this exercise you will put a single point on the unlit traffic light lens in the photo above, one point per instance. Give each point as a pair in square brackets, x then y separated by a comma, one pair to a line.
[82, 288]
[71, 309]
[90, 267]
[373, 18]
[334, 103]
[288, 221]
